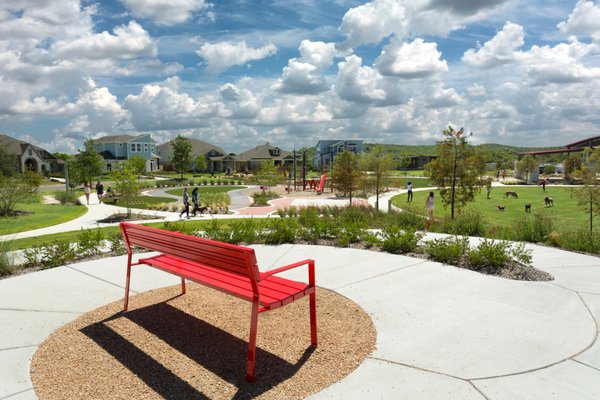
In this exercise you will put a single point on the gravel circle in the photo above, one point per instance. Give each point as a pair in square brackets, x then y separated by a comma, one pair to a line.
[193, 346]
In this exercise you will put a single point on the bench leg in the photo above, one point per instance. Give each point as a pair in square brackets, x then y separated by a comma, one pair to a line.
[252, 342]
[126, 305]
[313, 318]
[182, 285]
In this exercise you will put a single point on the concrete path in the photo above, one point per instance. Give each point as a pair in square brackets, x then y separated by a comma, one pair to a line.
[442, 332]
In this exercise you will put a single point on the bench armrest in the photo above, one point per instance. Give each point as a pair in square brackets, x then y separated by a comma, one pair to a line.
[309, 262]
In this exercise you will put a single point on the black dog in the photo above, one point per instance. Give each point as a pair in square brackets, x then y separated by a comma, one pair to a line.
[511, 194]
[528, 208]
[501, 208]
[548, 201]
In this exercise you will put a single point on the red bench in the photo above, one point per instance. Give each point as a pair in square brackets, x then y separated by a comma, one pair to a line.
[226, 267]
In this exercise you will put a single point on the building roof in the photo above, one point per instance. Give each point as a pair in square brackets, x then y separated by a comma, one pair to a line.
[584, 142]
[553, 151]
[263, 152]
[198, 147]
[120, 138]
[17, 147]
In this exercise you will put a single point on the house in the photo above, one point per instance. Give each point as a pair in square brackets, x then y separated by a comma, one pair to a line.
[327, 150]
[116, 149]
[252, 159]
[217, 160]
[31, 157]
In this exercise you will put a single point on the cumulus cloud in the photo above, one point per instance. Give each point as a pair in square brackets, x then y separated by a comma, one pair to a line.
[224, 55]
[465, 7]
[304, 75]
[501, 49]
[584, 20]
[359, 83]
[373, 21]
[128, 41]
[166, 12]
[417, 59]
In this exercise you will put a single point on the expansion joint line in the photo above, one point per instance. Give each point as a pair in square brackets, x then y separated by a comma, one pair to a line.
[100, 279]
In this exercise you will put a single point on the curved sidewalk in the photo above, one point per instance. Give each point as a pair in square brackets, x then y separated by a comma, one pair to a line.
[442, 332]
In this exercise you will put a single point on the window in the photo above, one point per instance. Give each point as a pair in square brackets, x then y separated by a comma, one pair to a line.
[132, 146]
[138, 147]
[146, 147]
[30, 152]
[120, 144]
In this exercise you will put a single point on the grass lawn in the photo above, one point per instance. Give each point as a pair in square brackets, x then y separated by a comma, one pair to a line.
[43, 215]
[144, 201]
[73, 235]
[565, 214]
[205, 190]
[400, 182]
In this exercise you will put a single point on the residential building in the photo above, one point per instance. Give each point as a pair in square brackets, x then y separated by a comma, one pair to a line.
[31, 157]
[327, 150]
[217, 160]
[116, 149]
[252, 159]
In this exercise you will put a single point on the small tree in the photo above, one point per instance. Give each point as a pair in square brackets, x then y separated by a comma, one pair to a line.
[346, 174]
[588, 196]
[378, 164]
[87, 164]
[526, 166]
[200, 163]
[8, 165]
[182, 154]
[404, 163]
[15, 189]
[570, 165]
[457, 171]
[268, 175]
[137, 164]
[126, 183]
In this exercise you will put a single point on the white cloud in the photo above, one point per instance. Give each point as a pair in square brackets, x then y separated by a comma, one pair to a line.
[417, 59]
[127, 42]
[359, 83]
[166, 12]
[304, 75]
[584, 20]
[224, 55]
[373, 21]
[501, 49]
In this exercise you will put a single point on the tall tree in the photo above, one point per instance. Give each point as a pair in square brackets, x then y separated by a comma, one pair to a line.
[200, 163]
[182, 154]
[346, 174]
[87, 163]
[457, 171]
[377, 163]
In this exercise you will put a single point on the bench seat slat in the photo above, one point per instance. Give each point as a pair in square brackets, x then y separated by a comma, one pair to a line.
[274, 291]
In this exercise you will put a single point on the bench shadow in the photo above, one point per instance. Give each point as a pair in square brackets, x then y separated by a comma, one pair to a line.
[213, 348]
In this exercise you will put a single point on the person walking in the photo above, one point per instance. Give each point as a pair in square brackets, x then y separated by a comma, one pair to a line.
[195, 201]
[430, 206]
[409, 191]
[186, 204]
[489, 189]
[99, 191]
[543, 182]
[87, 190]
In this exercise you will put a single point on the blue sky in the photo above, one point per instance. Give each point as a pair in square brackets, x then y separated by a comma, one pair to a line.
[243, 73]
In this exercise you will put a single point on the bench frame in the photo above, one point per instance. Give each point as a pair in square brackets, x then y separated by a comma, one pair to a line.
[189, 255]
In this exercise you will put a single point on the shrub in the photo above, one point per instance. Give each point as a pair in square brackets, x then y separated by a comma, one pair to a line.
[448, 250]
[7, 262]
[489, 255]
[90, 242]
[261, 199]
[467, 222]
[33, 255]
[281, 231]
[67, 197]
[246, 230]
[533, 228]
[216, 231]
[399, 241]
[581, 240]
[58, 253]
[116, 243]
[407, 219]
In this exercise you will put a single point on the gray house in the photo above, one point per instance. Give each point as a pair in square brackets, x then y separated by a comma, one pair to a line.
[116, 149]
[252, 159]
[327, 150]
[30, 157]
[217, 160]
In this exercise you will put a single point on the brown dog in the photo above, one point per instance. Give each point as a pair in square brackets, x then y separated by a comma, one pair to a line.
[501, 208]
[514, 195]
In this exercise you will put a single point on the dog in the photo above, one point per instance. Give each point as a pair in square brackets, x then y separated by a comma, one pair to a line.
[548, 201]
[201, 210]
[528, 208]
[514, 195]
[501, 208]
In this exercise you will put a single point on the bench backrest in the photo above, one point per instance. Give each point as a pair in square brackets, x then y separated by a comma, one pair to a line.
[237, 259]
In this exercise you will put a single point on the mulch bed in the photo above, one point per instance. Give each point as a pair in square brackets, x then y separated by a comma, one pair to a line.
[195, 346]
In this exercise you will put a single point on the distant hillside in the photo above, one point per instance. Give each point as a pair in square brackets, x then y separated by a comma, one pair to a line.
[495, 152]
